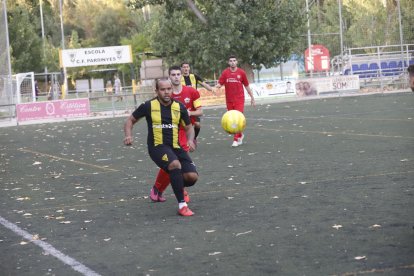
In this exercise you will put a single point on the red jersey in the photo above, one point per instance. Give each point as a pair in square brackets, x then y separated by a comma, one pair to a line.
[233, 83]
[190, 97]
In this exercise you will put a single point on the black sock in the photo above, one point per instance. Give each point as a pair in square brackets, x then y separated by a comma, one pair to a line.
[177, 183]
[196, 131]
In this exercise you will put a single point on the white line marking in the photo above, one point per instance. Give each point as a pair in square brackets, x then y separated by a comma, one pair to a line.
[74, 264]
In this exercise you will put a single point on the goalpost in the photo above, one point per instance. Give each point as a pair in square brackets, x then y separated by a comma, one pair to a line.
[25, 87]
[6, 98]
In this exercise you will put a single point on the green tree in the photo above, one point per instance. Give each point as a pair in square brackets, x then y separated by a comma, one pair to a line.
[139, 44]
[325, 25]
[111, 25]
[26, 46]
[407, 8]
[51, 21]
[100, 23]
[258, 32]
[374, 23]
[51, 60]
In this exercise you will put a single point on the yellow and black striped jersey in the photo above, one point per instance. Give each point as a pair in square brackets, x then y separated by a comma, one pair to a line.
[191, 80]
[163, 121]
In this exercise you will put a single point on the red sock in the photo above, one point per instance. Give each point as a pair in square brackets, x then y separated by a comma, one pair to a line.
[162, 181]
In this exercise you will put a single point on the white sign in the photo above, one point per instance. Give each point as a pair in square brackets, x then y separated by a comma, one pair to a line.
[95, 56]
[316, 86]
[274, 88]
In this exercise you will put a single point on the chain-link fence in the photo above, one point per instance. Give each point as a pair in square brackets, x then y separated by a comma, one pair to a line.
[339, 29]
[7, 109]
[373, 39]
[340, 26]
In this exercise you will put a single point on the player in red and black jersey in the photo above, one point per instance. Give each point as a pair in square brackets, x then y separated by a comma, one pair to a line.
[190, 97]
[164, 116]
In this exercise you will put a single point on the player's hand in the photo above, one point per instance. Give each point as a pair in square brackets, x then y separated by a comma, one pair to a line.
[253, 102]
[128, 140]
[191, 145]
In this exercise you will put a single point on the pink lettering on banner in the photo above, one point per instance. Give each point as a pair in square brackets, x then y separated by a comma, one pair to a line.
[52, 110]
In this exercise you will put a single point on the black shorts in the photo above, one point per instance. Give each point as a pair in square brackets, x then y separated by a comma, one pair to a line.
[163, 155]
[198, 119]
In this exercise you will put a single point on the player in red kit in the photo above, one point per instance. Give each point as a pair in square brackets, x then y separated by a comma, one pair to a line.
[190, 97]
[234, 79]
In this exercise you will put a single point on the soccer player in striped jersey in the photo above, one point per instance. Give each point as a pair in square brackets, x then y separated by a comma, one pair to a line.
[190, 97]
[164, 117]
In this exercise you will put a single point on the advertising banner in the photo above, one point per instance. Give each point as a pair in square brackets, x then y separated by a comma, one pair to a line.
[274, 88]
[95, 56]
[317, 86]
[53, 110]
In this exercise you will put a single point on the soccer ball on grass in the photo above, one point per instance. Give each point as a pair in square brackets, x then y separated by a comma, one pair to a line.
[233, 121]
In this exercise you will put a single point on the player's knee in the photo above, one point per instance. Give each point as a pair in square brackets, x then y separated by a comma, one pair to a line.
[190, 178]
[174, 165]
[197, 124]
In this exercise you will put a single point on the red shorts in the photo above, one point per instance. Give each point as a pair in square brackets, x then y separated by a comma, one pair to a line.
[235, 106]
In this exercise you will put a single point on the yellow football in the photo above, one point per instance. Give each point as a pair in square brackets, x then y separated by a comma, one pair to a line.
[233, 121]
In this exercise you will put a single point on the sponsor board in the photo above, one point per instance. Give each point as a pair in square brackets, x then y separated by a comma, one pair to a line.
[52, 110]
[316, 86]
[270, 89]
[299, 87]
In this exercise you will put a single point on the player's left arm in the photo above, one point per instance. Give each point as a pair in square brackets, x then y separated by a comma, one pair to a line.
[206, 86]
[189, 131]
[197, 106]
[203, 83]
[250, 92]
[245, 82]
[196, 113]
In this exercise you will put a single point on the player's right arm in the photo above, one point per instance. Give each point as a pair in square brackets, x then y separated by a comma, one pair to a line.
[221, 80]
[129, 124]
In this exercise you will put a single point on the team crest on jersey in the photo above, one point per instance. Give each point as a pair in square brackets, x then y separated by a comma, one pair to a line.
[187, 100]
[238, 76]
[164, 158]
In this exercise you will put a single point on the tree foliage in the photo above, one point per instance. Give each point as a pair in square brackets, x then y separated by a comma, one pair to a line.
[25, 42]
[365, 23]
[258, 32]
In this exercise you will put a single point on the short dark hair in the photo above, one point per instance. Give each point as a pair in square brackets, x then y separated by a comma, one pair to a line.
[157, 82]
[174, 67]
[410, 68]
[232, 56]
[185, 62]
